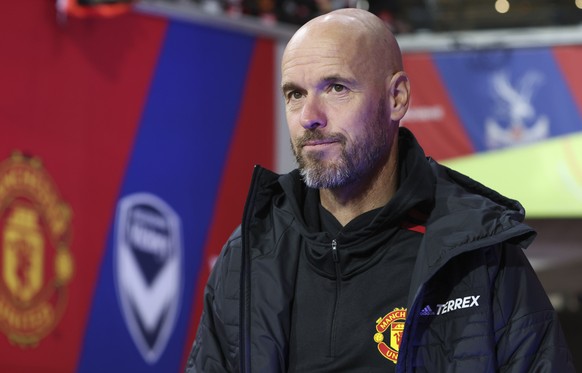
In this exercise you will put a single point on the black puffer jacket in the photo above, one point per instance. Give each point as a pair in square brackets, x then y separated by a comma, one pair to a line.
[475, 304]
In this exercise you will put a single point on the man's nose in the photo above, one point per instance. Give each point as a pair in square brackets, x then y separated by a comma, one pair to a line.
[312, 115]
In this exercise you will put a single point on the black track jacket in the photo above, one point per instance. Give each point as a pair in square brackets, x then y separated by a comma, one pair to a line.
[474, 305]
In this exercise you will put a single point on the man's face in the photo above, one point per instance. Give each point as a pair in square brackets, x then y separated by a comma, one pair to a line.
[336, 108]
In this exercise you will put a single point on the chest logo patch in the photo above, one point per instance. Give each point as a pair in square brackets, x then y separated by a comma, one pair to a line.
[389, 330]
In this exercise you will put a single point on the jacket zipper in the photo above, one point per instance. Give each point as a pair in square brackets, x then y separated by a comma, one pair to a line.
[338, 289]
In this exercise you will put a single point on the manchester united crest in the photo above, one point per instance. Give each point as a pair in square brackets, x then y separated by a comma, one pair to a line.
[35, 262]
[389, 330]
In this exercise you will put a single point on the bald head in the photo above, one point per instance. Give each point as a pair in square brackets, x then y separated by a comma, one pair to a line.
[355, 31]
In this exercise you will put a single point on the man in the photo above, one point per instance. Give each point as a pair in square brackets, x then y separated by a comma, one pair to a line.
[370, 257]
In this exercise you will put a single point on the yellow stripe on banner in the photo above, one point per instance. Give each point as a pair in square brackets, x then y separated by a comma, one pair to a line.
[545, 177]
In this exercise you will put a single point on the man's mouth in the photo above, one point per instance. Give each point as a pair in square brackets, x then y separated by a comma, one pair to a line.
[320, 142]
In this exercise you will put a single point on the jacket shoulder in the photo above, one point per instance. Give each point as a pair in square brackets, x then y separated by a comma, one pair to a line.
[450, 180]
[216, 346]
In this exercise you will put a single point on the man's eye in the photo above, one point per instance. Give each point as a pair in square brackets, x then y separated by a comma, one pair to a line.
[295, 95]
[338, 87]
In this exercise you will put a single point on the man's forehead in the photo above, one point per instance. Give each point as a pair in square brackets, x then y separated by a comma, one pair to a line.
[319, 63]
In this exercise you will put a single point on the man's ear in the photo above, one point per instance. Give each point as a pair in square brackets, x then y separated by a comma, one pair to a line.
[399, 94]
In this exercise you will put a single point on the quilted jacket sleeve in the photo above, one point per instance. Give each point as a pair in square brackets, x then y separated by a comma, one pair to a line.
[215, 348]
[529, 335]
